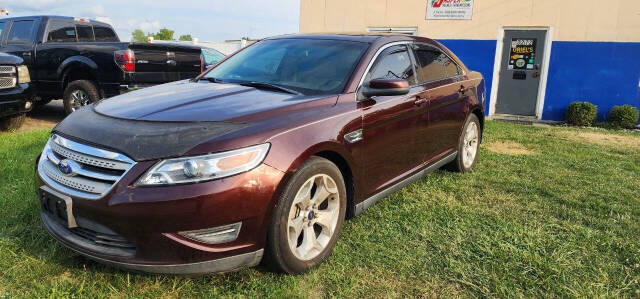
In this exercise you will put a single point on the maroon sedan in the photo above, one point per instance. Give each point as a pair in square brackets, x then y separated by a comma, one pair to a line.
[262, 157]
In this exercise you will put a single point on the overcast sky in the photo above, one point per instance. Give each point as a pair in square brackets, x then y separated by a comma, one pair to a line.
[208, 20]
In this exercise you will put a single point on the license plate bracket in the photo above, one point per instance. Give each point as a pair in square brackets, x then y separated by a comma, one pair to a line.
[57, 204]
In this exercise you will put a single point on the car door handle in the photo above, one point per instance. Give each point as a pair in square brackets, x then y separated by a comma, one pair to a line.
[420, 101]
[26, 54]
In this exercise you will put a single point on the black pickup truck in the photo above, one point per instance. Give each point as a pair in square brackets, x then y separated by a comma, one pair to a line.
[82, 61]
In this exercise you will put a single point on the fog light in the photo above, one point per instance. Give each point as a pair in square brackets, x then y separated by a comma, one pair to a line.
[27, 105]
[216, 235]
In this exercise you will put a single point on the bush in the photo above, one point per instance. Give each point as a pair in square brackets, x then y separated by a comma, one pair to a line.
[581, 114]
[625, 116]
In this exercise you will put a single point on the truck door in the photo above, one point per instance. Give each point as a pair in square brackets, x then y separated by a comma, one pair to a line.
[20, 39]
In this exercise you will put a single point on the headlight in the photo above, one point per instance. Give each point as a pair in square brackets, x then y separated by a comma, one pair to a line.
[204, 168]
[23, 74]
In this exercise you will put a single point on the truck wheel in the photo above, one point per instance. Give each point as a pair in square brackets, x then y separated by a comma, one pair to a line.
[79, 93]
[12, 122]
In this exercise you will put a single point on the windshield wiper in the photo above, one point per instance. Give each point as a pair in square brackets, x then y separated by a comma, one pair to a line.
[266, 85]
[211, 79]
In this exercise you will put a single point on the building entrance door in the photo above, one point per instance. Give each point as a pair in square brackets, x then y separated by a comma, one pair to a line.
[520, 72]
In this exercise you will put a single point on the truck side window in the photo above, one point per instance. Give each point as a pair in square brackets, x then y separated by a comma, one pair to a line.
[85, 33]
[20, 31]
[1, 27]
[104, 34]
[61, 31]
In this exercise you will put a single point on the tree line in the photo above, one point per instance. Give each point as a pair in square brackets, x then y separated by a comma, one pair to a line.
[162, 34]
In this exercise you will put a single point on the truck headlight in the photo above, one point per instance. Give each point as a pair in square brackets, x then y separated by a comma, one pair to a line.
[204, 168]
[23, 74]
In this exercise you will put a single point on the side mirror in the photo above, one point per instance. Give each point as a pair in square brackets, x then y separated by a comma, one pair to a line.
[384, 87]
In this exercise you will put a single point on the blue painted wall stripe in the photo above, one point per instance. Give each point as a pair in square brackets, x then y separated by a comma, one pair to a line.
[603, 73]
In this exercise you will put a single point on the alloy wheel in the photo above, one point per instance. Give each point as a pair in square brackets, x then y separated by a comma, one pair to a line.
[79, 98]
[470, 145]
[313, 217]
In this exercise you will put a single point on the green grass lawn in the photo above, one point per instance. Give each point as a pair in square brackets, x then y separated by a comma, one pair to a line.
[559, 216]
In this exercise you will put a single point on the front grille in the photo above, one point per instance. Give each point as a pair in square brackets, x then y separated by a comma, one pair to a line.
[8, 78]
[92, 171]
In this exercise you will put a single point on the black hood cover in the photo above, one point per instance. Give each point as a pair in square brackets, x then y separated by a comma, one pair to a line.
[140, 140]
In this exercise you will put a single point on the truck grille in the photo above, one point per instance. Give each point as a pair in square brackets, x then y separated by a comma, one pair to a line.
[8, 78]
[80, 170]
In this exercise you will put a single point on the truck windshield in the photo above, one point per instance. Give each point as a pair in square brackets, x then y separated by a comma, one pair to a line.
[307, 66]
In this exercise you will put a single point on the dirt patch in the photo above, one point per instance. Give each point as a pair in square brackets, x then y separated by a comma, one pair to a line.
[604, 139]
[34, 124]
[509, 148]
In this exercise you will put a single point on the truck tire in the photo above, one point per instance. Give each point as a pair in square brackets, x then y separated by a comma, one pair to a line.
[79, 93]
[12, 122]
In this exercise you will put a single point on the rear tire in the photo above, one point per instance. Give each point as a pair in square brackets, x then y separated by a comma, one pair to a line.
[307, 219]
[468, 146]
[12, 122]
[79, 93]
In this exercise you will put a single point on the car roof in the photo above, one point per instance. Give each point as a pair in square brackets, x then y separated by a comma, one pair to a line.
[366, 37]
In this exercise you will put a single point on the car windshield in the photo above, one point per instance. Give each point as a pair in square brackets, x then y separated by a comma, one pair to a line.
[211, 57]
[307, 66]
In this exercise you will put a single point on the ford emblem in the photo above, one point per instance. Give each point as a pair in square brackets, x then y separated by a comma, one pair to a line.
[67, 167]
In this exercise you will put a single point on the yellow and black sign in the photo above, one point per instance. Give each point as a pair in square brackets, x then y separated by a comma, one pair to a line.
[523, 54]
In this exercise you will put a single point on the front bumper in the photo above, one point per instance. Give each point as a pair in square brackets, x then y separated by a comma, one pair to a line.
[227, 264]
[13, 100]
[150, 217]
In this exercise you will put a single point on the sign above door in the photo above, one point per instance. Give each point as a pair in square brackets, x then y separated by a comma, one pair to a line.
[449, 9]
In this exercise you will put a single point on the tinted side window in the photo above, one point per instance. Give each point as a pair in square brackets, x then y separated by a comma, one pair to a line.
[20, 32]
[1, 28]
[104, 34]
[85, 33]
[434, 65]
[393, 63]
[61, 31]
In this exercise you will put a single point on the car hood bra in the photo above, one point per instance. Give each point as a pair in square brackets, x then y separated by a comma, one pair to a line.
[168, 120]
[140, 140]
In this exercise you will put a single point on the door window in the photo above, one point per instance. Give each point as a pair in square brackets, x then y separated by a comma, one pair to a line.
[104, 34]
[393, 63]
[20, 32]
[433, 65]
[1, 27]
[61, 31]
[85, 33]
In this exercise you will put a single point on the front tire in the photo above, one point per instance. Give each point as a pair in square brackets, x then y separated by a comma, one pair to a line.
[79, 93]
[12, 122]
[468, 146]
[307, 218]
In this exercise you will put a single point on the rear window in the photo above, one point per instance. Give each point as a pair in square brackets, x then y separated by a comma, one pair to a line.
[61, 31]
[20, 31]
[85, 33]
[104, 34]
